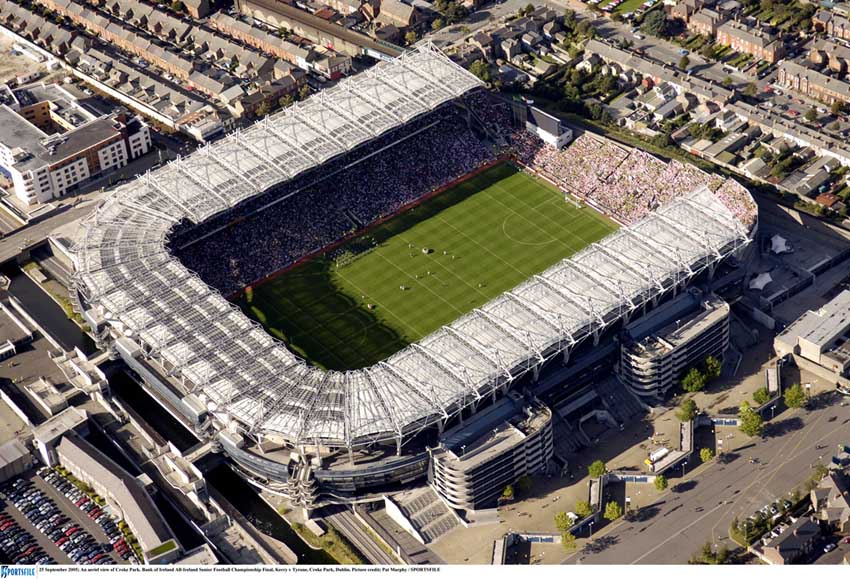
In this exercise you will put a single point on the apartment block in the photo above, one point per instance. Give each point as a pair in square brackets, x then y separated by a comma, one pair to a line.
[49, 143]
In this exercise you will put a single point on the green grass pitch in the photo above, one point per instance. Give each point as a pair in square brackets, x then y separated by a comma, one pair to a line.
[485, 236]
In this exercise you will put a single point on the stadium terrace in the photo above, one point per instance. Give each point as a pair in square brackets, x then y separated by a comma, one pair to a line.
[255, 386]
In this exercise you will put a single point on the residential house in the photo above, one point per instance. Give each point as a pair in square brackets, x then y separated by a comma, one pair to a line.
[836, 56]
[706, 22]
[812, 83]
[749, 40]
[832, 24]
[831, 499]
[798, 540]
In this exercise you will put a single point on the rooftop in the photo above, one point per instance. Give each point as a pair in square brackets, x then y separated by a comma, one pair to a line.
[139, 510]
[821, 327]
[67, 420]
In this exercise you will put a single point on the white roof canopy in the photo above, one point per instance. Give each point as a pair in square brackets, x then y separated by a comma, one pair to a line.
[230, 361]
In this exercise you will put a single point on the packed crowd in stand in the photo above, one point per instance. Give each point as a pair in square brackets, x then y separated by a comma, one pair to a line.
[323, 205]
[323, 211]
[626, 183]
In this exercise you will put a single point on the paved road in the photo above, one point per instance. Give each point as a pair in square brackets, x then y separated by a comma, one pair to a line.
[678, 523]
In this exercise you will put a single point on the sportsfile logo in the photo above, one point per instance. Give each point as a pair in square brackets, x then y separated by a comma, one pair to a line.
[6, 571]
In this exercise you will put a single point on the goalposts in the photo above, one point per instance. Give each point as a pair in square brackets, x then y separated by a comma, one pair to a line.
[572, 200]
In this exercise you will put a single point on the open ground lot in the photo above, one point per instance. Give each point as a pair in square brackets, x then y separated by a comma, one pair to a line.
[423, 269]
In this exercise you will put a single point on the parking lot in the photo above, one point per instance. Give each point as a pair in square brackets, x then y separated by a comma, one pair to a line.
[63, 524]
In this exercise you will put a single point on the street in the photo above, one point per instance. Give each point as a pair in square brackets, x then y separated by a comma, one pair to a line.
[701, 506]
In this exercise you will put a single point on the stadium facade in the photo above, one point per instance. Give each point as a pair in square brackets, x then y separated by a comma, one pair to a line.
[335, 436]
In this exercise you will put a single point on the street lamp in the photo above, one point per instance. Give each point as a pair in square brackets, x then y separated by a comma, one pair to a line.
[591, 530]
[772, 409]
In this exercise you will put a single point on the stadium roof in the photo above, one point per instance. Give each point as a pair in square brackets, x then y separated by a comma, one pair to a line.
[236, 367]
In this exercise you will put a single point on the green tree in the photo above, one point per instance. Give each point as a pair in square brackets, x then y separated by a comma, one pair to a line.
[660, 482]
[751, 422]
[795, 397]
[707, 51]
[177, 6]
[836, 108]
[596, 469]
[751, 89]
[410, 37]
[687, 411]
[727, 81]
[705, 454]
[437, 24]
[524, 483]
[304, 92]
[529, 8]
[655, 23]
[811, 115]
[286, 100]
[761, 396]
[583, 509]
[263, 109]
[480, 69]
[569, 19]
[694, 381]
[613, 511]
[568, 542]
[563, 522]
[713, 368]
[684, 62]
[508, 493]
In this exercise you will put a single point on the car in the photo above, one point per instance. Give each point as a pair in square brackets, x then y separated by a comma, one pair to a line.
[829, 547]
[98, 557]
[61, 541]
[71, 531]
[684, 52]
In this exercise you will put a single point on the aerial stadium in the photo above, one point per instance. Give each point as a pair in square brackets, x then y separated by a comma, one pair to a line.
[156, 259]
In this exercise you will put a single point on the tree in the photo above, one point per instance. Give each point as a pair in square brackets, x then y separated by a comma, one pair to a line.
[761, 396]
[684, 62]
[263, 109]
[596, 469]
[751, 422]
[613, 511]
[660, 482]
[410, 37]
[524, 483]
[694, 381]
[727, 81]
[687, 411]
[563, 522]
[508, 493]
[304, 92]
[480, 69]
[707, 51]
[177, 6]
[655, 23]
[286, 100]
[568, 542]
[836, 108]
[569, 19]
[437, 24]
[811, 115]
[795, 397]
[529, 8]
[583, 509]
[713, 367]
[751, 89]
[705, 454]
